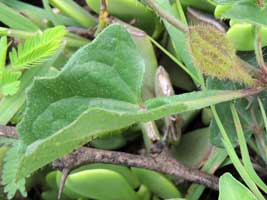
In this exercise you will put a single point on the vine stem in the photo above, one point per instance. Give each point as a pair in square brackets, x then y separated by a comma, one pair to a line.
[163, 14]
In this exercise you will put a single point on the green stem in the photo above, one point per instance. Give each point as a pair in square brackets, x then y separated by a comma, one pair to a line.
[181, 12]
[72, 9]
[244, 150]
[76, 41]
[16, 33]
[102, 19]
[150, 134]
[260, 141]
[234, 158]
[164, 15]
[52, 16]
[263, 113]
[258, 47]
[165, 51]
[73, 40]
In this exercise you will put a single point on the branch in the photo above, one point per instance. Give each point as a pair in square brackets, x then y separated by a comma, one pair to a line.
[162, 162]
[8, 132]
[163, 14]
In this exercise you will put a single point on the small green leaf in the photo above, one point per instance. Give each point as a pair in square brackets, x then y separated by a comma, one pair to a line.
[9, 83]
[100, 184]
[157, 183]
[9, 172]
[35, 50]
[124, 171]
[232, 189]
[193, 148]
[215, 55]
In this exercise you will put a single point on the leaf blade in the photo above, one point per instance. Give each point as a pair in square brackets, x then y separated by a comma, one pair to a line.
[231, 189]
[15, 20]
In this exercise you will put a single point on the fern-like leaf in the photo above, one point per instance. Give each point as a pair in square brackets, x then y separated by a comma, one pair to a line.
[9, 171]
[9, 83]
[37, 49]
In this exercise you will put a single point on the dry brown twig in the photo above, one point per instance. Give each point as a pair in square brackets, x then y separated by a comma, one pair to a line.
[163, 162]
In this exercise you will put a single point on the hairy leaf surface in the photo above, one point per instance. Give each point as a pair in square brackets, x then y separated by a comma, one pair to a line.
[98, 92]
[215, 55]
